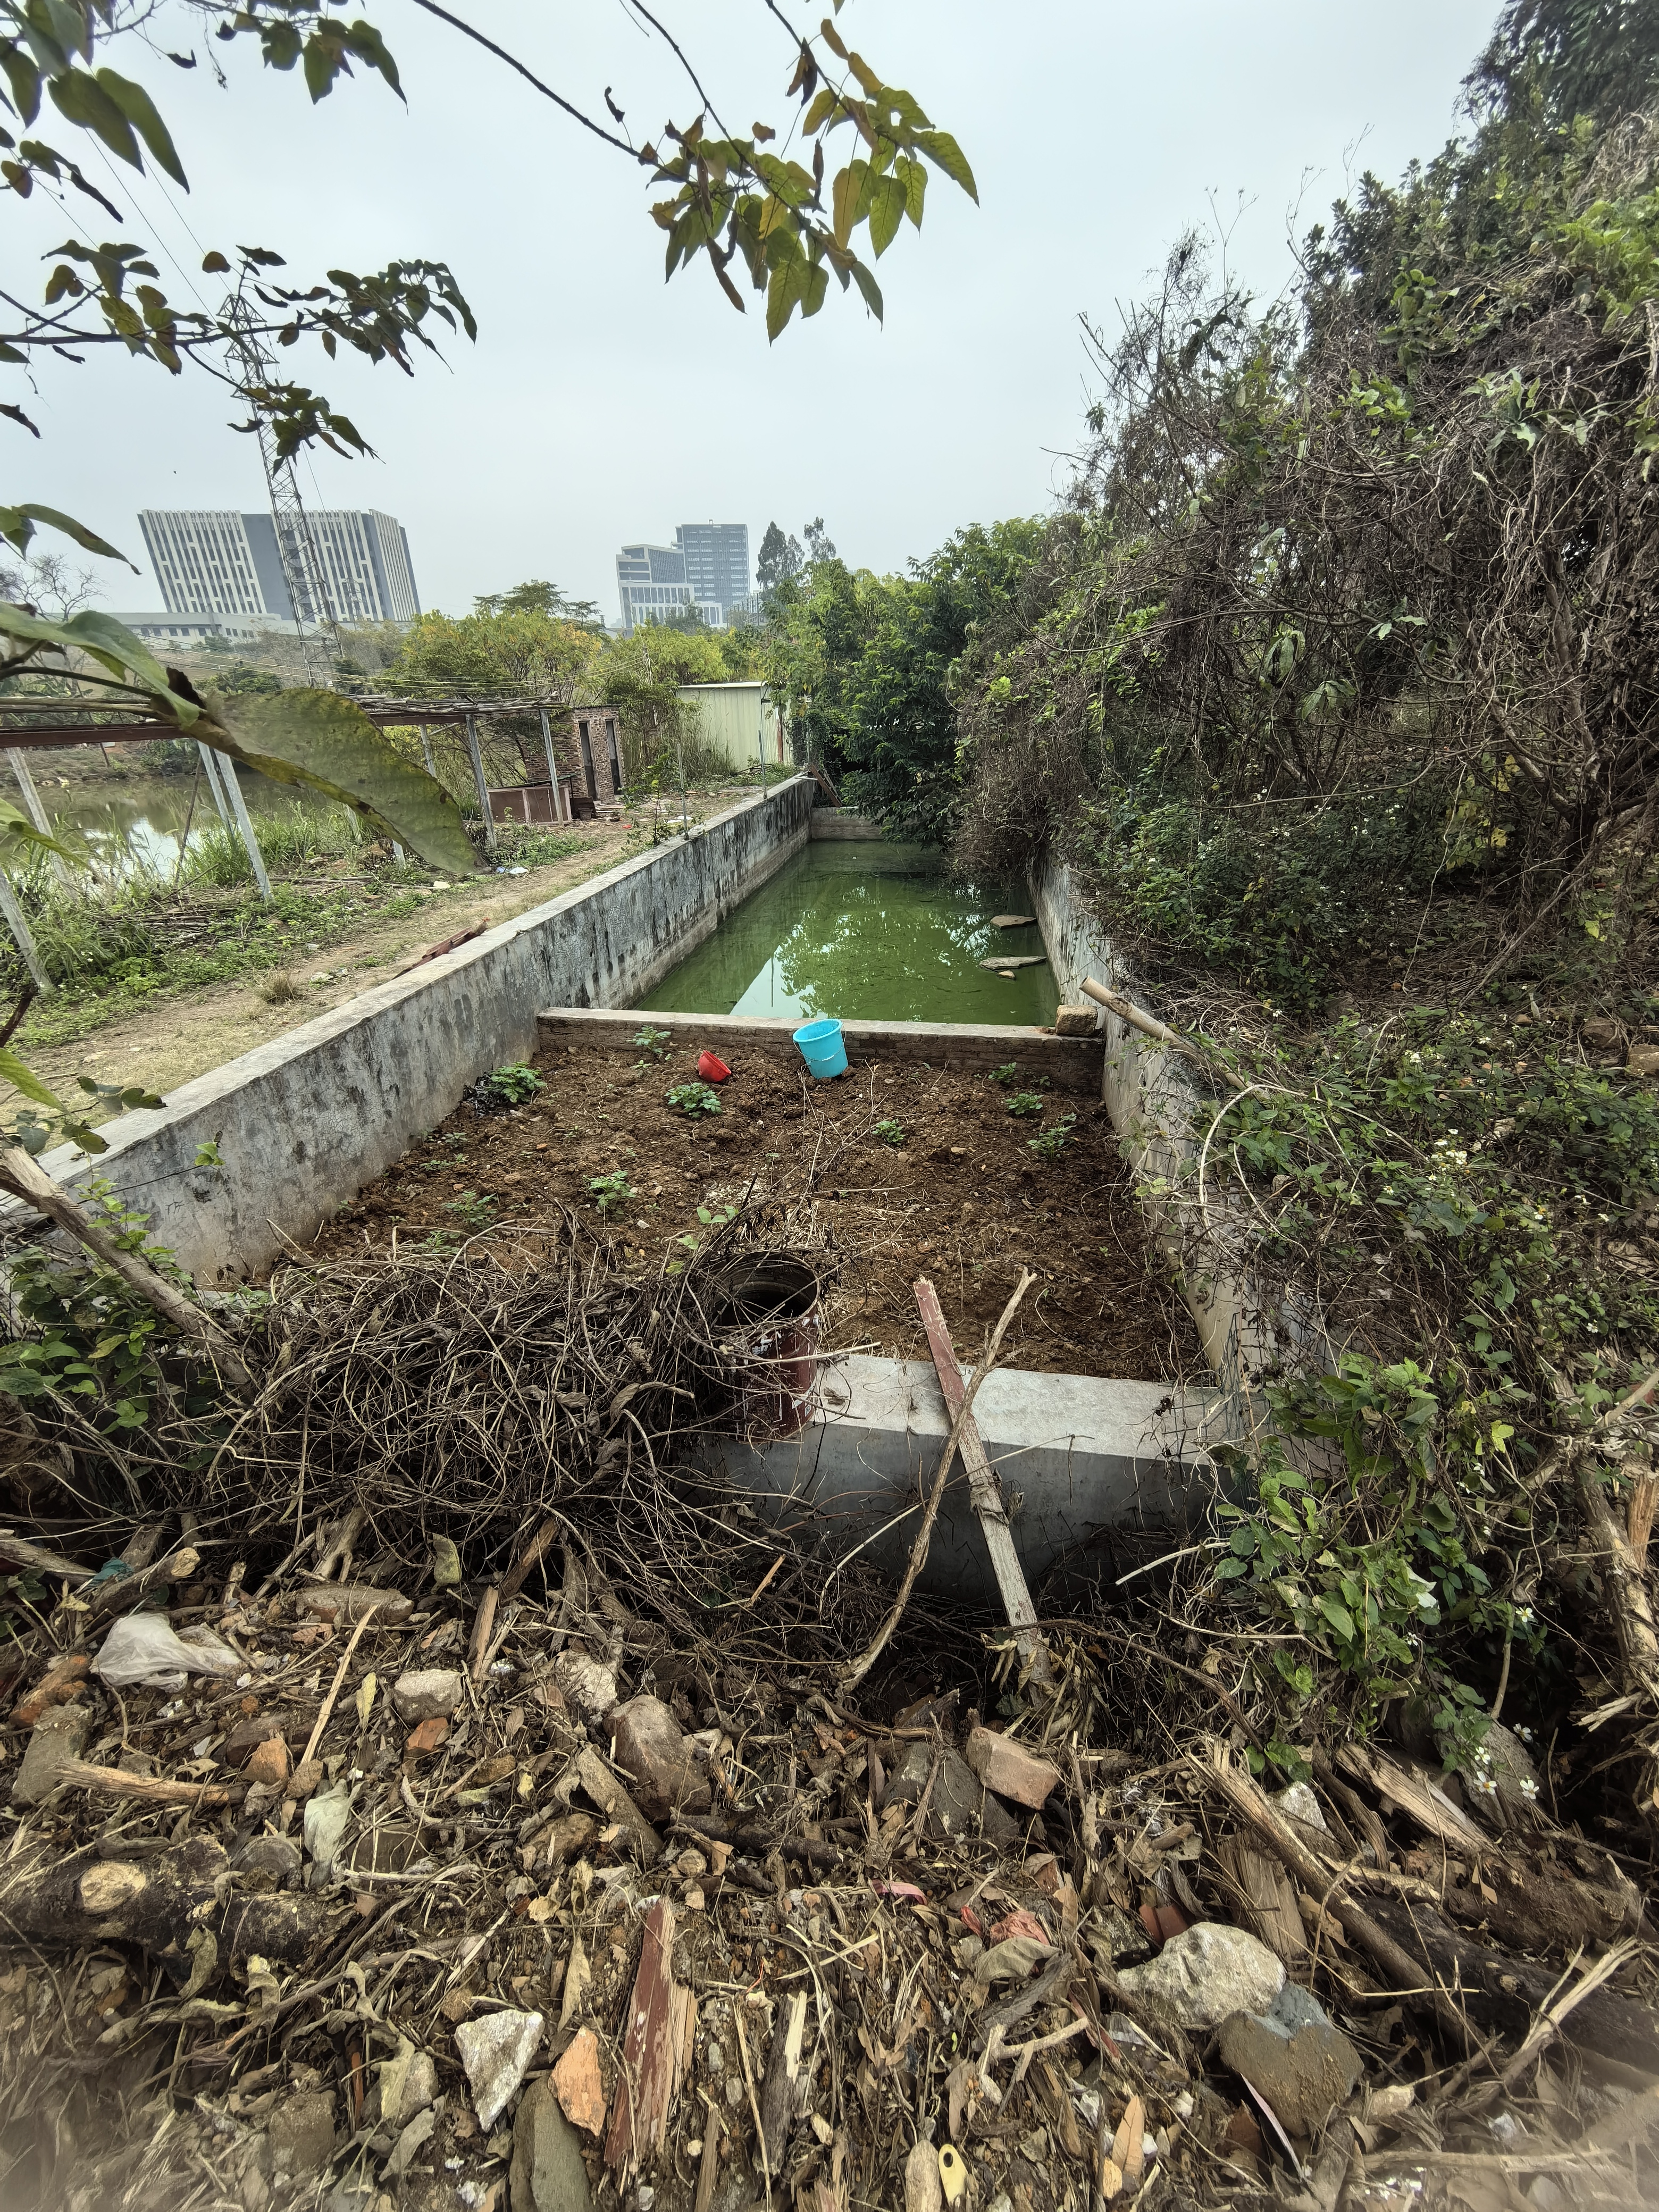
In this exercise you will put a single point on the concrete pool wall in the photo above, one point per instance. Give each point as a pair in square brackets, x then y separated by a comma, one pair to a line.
[302, 1123]
[1159, 1111]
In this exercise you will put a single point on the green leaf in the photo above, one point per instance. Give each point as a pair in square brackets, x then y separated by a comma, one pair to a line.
[865, 279]
[19, 836]
[24, 78]
[22, 1077]
[106, 642]
[914, 174]
[17, 527]
[328, 744]
[888, 198]
[942, 149]
[80, 97]
[786, 292]
[847, 198]
[135, 104]
[1338, 1615]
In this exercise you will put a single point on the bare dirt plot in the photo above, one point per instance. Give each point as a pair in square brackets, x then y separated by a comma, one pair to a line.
[950, 1190]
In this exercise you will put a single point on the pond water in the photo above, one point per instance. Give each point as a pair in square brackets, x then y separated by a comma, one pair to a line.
[141, 826]
[866, 932]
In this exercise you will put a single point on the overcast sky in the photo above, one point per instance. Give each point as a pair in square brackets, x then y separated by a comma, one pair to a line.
[599, 404]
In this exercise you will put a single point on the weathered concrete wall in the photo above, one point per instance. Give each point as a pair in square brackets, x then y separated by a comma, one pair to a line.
[302, 1123]
[840, 821]
[1075, 1455]
[1160, 1115]
[1070, 1064]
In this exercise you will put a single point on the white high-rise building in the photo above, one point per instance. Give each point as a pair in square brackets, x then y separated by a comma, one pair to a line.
[707, 567]
[217, 562]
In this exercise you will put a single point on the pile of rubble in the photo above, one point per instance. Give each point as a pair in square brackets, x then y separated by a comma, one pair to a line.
[348, 1896]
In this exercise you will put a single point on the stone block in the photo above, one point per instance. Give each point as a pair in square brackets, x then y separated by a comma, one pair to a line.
[426, 1693]
[958, 1806]
[1201, 1977]
[661, 1766]
[302, 2134]
[59, 1737]
[1076, 1021]
[547, 2174]
[1009, 1769]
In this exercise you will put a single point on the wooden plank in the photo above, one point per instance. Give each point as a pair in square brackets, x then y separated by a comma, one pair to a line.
[1266, 1898]
[1073, 1065]
[652, 2048]
[984, 1489]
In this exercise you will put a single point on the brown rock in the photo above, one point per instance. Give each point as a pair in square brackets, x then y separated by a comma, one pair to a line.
[302, 2134]
[654, 1755]
[1303, 2076]
[420, 1742]
[267, 1763]
[1009, 1770]
[426, 1694]
[63, 1681]
[1643, 1059]
[1075, 1021]
[308, 1776]
[576, 2082]
[569, 1838]
[59, 1736]
[245, 1738]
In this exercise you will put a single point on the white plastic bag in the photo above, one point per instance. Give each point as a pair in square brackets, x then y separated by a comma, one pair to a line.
[142, 1647]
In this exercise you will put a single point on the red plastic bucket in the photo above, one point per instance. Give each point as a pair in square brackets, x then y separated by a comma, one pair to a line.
[712, 1069]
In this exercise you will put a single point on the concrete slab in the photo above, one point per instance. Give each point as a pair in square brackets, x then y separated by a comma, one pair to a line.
[1071, 1064]
[1075, 1454]
[835, 822]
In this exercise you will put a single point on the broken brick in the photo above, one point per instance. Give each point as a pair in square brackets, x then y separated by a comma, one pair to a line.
[1009, 1770]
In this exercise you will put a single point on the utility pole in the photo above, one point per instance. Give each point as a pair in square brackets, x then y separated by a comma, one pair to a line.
[296, 543]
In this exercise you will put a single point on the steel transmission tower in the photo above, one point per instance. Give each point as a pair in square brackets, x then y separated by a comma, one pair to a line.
[296, 545]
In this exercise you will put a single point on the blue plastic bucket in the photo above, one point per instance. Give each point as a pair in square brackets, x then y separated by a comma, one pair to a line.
[822, 1049]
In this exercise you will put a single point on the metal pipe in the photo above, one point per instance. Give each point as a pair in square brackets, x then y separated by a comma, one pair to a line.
[211, 768]
[23, 934]
[37, 812]
[245, 823]
[475, 754]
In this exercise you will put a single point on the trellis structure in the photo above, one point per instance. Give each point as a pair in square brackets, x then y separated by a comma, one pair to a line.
[31, 724]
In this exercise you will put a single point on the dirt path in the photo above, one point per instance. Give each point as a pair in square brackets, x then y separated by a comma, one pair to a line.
[171, 1041]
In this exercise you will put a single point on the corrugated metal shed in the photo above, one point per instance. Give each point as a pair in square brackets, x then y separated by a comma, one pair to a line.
[732, 719]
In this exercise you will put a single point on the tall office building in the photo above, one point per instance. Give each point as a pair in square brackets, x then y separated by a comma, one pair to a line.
[216, 562]
[716, 560]
[707, 567]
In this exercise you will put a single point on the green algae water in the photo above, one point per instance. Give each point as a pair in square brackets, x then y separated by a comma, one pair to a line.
[865, 931]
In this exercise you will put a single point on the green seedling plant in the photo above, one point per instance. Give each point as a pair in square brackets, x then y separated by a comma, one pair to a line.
[1005, 1074]
[1025, 1106]
[476, 1212]
[505, 1087]
[693, 1098]
[711, 1218]
[655, 1041]
[611, 1190]
[891, 1132]
[1049, 1143]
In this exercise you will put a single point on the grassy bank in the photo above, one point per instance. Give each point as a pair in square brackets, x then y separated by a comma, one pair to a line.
[135, 937]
